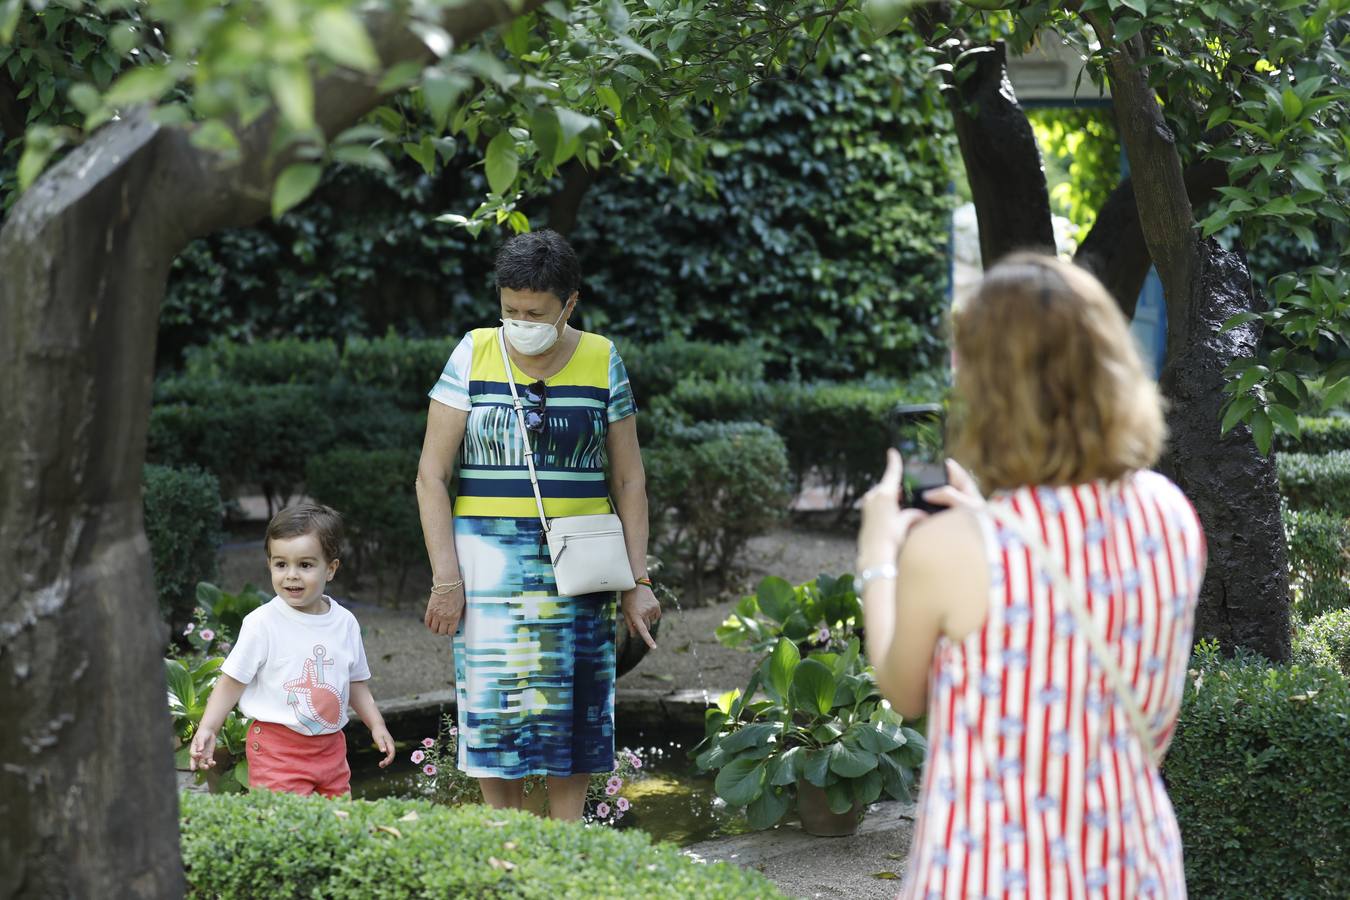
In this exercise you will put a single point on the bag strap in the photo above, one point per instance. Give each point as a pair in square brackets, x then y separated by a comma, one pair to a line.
[524, 432]
[1086, 625]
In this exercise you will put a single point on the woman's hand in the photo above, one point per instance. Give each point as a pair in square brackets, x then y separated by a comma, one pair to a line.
[444, 611]
[202, 755]
[641, 611]
[884, 524]
[959, 491]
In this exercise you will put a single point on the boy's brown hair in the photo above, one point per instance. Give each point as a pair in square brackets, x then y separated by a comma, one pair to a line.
[307, 518]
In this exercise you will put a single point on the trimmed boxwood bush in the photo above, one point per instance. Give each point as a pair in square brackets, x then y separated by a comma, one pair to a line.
[265, 845]
[1325, 641]
[712, 487]
[406, 368]
[279, 361]
[654, 369]
[1319, 561]
[374, 490]
[1317, 435]
[182, 522]
[1257, 774]
[1316, 481]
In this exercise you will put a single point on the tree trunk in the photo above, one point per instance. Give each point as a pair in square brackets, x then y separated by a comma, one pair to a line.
[87, 792]
[1003, 162]
[1244, 600]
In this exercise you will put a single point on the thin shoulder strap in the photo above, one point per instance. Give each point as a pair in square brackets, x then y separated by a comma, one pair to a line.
[1086, 626]
[520, 423]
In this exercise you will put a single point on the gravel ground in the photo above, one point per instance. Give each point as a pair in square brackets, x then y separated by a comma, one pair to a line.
[407, 660]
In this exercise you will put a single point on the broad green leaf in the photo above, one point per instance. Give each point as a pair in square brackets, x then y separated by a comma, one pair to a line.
[441, 89]
[1335, 394]
[749, 736]
[740, 781]
[786, 768]
[1139, 6]
[140, 85]
[216, 136]
[1291, 104]
[84, 97]
[866, 789]
[9, 19]
[367, 157]
[400, 76]
[816, 766]
[502, 163]
[840, 797]
[776, 598]
[896, 780]
[294, 184]
[813, 688]
[544, 130]
[724, 702]
[879, 738]
[294, 93]
[850, 761]
[765, 810]
[886, 15]
[782, 664]
[1262, 431]
[1285, 418]
[240, 771]
[1237, 411]
[610, 98]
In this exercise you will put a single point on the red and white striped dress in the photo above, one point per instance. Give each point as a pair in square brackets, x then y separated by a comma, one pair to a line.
[1035, 785]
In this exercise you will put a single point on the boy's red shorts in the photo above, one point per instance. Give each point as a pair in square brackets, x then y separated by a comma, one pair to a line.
[280, 759]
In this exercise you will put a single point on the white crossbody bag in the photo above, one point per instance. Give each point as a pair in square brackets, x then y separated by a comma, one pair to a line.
[588, 552]
[1087, 627]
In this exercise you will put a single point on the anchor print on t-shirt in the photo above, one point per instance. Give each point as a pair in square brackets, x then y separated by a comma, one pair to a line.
[317, 704]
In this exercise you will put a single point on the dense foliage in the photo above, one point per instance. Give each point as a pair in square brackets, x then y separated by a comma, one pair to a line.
[1319, 561]
[1316, 481]
[278, 845]
[182, 522]
[1325, 641]
[1256, 773]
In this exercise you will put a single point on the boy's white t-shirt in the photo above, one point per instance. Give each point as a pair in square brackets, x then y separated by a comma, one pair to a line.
[298, 667]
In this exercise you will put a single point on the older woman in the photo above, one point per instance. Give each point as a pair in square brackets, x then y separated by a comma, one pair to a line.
[534, 671]
[1047, 628]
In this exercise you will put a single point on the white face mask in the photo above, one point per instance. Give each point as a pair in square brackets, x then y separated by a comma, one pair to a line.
[532, 338]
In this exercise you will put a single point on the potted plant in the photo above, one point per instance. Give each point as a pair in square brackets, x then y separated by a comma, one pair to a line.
[821, 735]
[190, 682]
[822, 612]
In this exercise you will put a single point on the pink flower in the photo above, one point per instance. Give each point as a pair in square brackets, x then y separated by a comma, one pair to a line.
[207, 634]
[823, 636]
[454, 730]
[224, 646]
[418, 756]
[635, 760]
[428, 769]
[623, 804]
[615, 782]
[602, 810]
[428, 742]
[188, 629]
[611, 789]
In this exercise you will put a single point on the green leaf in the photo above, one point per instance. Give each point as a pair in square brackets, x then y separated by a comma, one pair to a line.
[85, 98]
[840, 797]
[896, 780]
[1237, 411]
[1336, 394]
[1309, 177]
[294, 184]
[816, 766]
[1139, 6]
[216, 136]
[366, 157]
[1291, 104]
[879, 738]
[1218, 117]
[740, 781]
[749, 736]
[400, 76]
[813, 687]
[850, 761]
[782, 664]
[1262, 431]
[294, 93]
[1284, 417]
[786, 768]
[502, 163]
[610, 98]
[9, 19]
[724, 702]
[441, 89]
[240, 772]
[140, 85]
[866, 789]
[766, 809]
[776, 598]
[544, 130]
[886, 15]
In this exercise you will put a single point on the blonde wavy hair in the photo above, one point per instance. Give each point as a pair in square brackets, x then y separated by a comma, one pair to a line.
[1049, 386]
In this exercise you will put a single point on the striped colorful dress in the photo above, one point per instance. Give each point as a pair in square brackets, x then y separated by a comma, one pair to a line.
[1035, 785]
[534, 672]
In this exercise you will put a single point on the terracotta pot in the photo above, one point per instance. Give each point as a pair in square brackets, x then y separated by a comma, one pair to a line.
[813, 806]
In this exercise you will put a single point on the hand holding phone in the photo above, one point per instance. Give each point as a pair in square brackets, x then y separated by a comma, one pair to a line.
[919, 433]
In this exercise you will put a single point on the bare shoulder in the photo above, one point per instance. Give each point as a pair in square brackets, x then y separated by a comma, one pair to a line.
[943, 561]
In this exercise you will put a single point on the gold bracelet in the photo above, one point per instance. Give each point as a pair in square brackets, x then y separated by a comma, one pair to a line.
[447, 587]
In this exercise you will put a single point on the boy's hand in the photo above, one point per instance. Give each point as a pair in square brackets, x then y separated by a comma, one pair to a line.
[385, 742]
[202, 755]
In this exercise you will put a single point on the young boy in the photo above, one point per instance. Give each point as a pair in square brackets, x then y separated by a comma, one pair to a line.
[296, 665]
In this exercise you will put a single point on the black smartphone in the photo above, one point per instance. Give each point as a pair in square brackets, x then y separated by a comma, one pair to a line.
[919, 433]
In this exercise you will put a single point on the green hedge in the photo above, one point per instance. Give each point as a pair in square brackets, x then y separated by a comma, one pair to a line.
[1317, 435]
[265, 845]
[374, 490]
[711, 488]
[280, 361]
[654, 369]
[836, 431]
[406, 368]
[182, 522]
[1325, 641]
[1316, 481]
[1257, 774]
[1319, 561]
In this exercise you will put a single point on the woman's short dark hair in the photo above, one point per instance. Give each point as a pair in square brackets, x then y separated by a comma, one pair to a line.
[538, 261]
